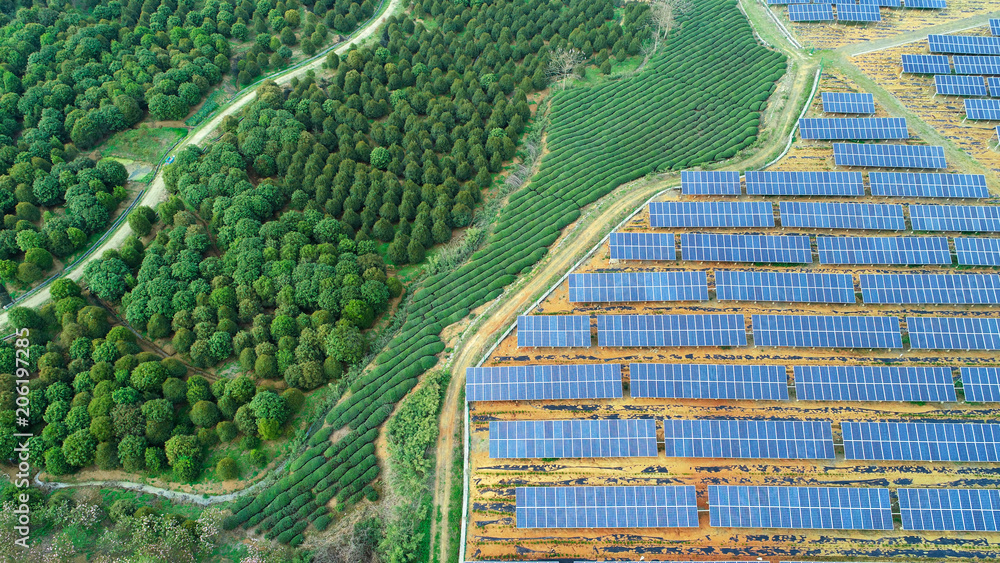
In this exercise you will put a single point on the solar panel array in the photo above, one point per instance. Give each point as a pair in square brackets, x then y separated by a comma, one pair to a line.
[976, 65]
[921, 441]
[926, 64]
[977, 251]
[708, 381]
[959, 85]
[836, 128]
[543, 383]
[785, 249]
[711, 214]
[621, 287]
[858, 13]
[555, 331]
[982, 109]
[787, 287]
[828, 508]
[981, 385]
[642, 246]
[671, 330]
[964, 44]
[606, 507]
[810, 331]
[995, 26]
[810, 12]
[883, 3]
[883, 250]
[959, 289]
[954, 333]
[963, 218]
[994, 84]
[848, 102]
[829, 215]
[874, 383]
[889, 156]
[710, 182]
[534, 439]
[923, 184]
[748, 439]
[932, 4]
[970, 510]
[804, 183]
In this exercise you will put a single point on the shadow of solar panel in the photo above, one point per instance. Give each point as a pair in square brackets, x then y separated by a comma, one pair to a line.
[711, 214]
[783, 249]
[870, 128]
[789, 287]
[926, 4]
[925, 184]
[874, 383]
[553, 331]
[982, 109]
[964, 44]
[621, 287]
[642, 246]
[671, 330]
[977, 251]
[921, 441]
[926, 64]
[959, 85]
[829, 215]
[606, 507]
[954, 333]
[783, 182]
[748, 439]
[883, 250]
[981, 385]
[931, 288]
[708, 381]
[807, 331]
[543, 383]
[533, 439]
[827, 508]
[889, 156]
[858, 13]
[710, 182]
[977, 64]
[848, 102]
[810, 12]
[960, 510]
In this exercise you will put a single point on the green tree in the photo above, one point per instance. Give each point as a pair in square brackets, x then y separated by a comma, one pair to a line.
[227, 469]
[205, 414]
[107, 278]
[149, 376]
[79, 447]
[346, 343]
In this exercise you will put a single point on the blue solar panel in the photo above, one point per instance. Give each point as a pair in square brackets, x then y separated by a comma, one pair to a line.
[959, 85]
[961, 218]
[829, 215]
[748, 439]
[708, 381]
[921, 441]
[932, 4]
[994, 83]
[982, 109]
[926, 64]
[995, 26]
[606, 507]
[953, 333]
[977, 64]
[713, 182]
[788, 287]
[977, 251]
[874, 383]
[883, 250]
[964, 44]
[619, 287]
[806, 331]
[957, 289]
[671, 330]
[642, 246]
[810, 12]
[804, 183]
[858, 13]
[533, 439]
[784, 249]
[981, 385]
[924, 184]
[848, 102]
[837, 128]
[828, 508]
[883, 3]
[711, 214]
[970, 510]
[543, 383]
[557, 331]
[889, 156]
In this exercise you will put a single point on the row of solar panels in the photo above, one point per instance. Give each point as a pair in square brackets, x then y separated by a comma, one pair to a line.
[853, 128]
[939, 64]
[963, 44]
[739, 506]
[848, 102]
[888, 184]
[964, 85]
[882, 3]
[984, 110]
[847, 12]
[781, 331]
[732, 382]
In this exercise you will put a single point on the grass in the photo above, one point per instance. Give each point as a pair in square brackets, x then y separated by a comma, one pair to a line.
[145, 144]
[454, 524]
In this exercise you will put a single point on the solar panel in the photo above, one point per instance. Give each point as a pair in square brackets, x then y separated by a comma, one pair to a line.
[995, 26]
[970, 510]
[708, 381]
[787, 287]
[710, 182]
[982, 109]
[810, 12]
[883, 250]
[711, 214]
[804, 183]
[874, 383]
[981, 385]
[994, 83]
[883, 3]
[784, 249]
[642, 246]
[964, 44]
[620, 287]
[932, 4]
[957, 289]
[828, 508]
[858, 13]
[543, 383]
[606, 507]
[809, 331]
[848, 102]
[555, 331]
[926, 64]
[921, 441]
[962, 218]
[889, 156]
[977, 251]
[534, 439]
[976, 65]
[959, 85]
[953, 333]
[671, 330]
[924, 184]
[748, 439]
[828, 215]
[837, 128]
